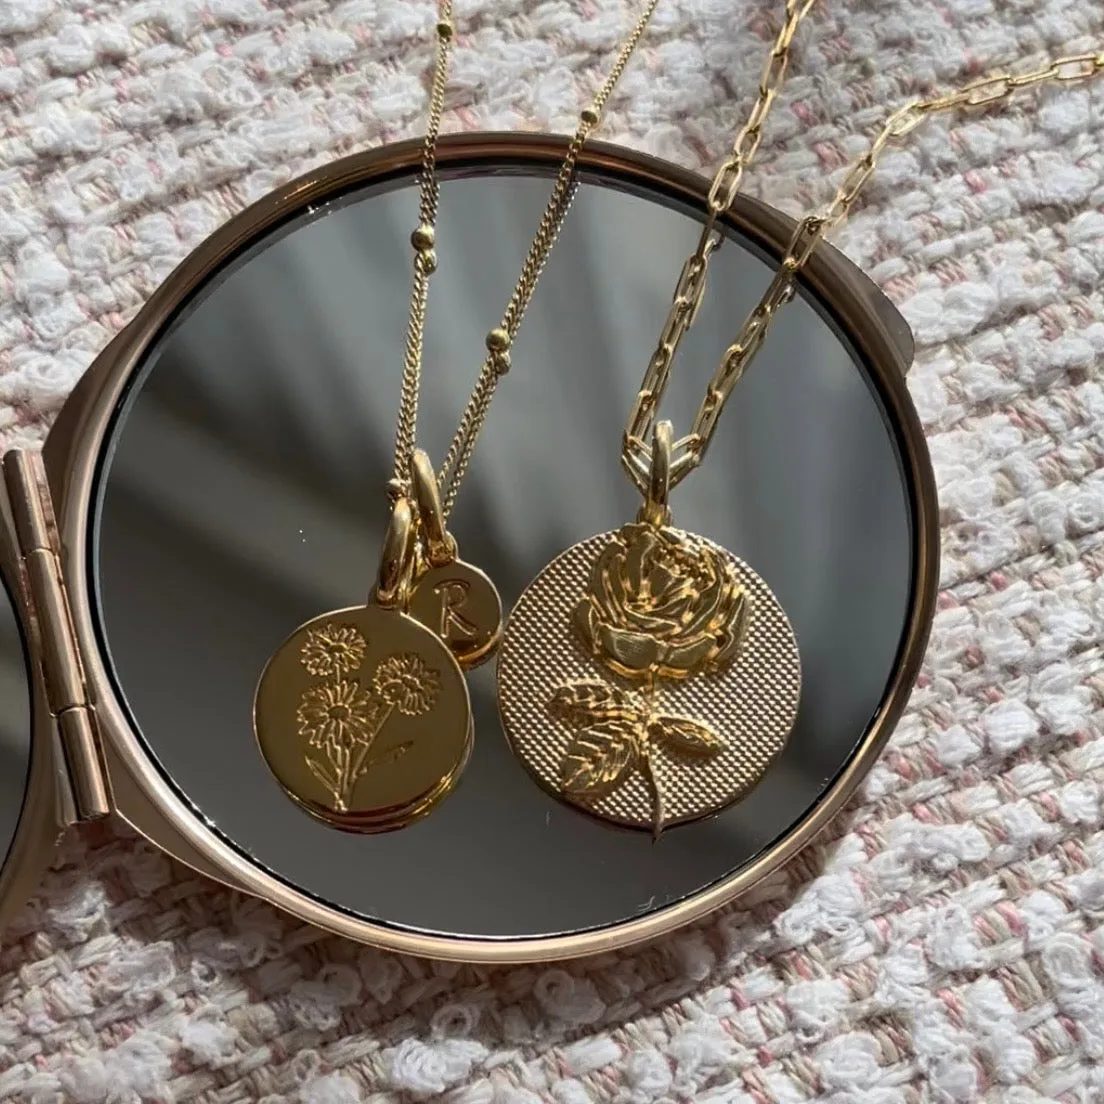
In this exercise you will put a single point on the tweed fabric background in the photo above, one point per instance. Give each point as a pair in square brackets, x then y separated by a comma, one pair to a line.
[946, 940]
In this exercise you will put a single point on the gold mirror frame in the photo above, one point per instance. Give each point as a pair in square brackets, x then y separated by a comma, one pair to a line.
[124, 773]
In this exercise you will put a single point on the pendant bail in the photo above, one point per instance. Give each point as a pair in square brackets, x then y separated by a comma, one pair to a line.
[440, 547]
[392, 588]
[655, 510]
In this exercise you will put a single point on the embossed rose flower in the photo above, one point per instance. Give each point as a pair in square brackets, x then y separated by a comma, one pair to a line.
[662, 605]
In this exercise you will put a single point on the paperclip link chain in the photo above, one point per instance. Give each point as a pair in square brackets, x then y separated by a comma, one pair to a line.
[689, 451]
[690, 290]
[498, 341]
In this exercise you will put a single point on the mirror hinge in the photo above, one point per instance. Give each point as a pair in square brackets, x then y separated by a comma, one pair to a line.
[63, 672]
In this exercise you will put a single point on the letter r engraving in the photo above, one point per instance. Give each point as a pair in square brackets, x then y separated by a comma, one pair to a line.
[454, 596]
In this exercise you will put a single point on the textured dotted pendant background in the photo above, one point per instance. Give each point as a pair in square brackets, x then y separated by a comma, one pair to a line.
[750, 705]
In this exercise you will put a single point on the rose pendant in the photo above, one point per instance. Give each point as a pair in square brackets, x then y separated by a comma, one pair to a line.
[648, 676]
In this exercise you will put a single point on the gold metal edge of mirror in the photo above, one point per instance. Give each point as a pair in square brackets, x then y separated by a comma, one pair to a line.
[47, 809]
[72, 454]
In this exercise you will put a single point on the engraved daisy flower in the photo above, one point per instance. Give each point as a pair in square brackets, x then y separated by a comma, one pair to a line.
[333, 650]
[337, 713]
[407, 683]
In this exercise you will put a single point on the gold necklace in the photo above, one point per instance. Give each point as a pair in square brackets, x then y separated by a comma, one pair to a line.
[363, 714]
[647, 675]
[455, 598]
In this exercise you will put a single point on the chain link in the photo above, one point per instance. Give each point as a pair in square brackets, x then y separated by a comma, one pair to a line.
[497, 362]
[690, 291]
[499, 340]
[425, 257]
[689, 451]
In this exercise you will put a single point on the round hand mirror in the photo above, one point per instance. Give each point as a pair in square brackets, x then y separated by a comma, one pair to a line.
[219, 479]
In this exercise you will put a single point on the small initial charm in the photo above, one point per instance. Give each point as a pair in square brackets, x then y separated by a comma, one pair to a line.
[459, 603]
[453, 594]
[450, 597]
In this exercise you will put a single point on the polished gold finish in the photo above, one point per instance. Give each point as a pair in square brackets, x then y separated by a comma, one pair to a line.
[806, 235]
[662, 697]
[437, 544]
[462, 606]
[659, 606]
[690, 289]
[656, 510]
[379, 739]
[363, 714]
[666, 605]
[499, 339]
[76, 442]
[453, 598]
[397, 558]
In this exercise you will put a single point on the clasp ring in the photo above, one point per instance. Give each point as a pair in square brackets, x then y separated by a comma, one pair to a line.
[440, 547]
[397, 559]
[655, 510]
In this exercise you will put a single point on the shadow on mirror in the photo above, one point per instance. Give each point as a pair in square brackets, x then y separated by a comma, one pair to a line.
[244, 494]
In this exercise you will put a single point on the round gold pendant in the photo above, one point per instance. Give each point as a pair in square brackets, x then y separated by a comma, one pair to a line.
[648, 676]
[461, 605]
[364, 718]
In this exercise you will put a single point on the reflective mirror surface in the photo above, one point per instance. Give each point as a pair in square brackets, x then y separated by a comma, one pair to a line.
[15, 720]
[242, 493]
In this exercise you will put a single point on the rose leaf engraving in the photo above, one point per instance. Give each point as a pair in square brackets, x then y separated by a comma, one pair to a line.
[680, 734]
[580, 704]
[597, 760]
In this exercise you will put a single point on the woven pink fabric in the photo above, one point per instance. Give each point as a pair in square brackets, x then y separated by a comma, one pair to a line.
[945, 941]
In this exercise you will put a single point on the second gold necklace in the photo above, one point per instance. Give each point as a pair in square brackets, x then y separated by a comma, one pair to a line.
[618, 665]
[363, 714]
[647, 675]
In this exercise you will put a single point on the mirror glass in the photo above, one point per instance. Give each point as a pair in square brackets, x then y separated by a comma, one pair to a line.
[242, 493]
[15, 719]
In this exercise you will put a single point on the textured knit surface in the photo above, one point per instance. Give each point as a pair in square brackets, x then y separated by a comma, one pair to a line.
[946, 940]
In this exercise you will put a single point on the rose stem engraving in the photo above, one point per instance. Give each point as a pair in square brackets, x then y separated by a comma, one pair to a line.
[342, 719]
[659, 605]
[644, 751]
